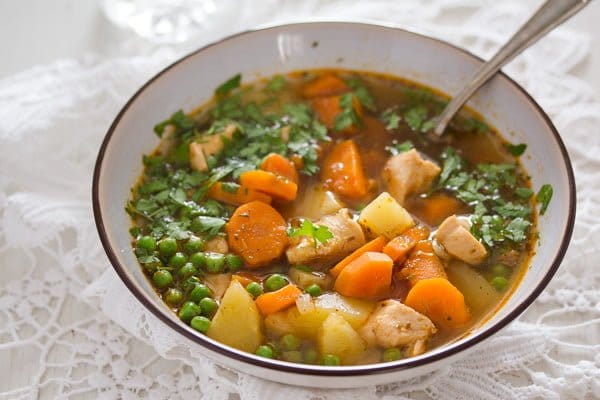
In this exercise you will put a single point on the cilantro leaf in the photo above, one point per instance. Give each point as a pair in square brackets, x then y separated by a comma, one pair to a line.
[348, 116]
[210, 226]
[320, 234]
[179, 119]
[229, 85]
[276, 83]
[516, 149]
[544, 196]
[415, 117]
[391, 119]
[523, 192]
[362, 93]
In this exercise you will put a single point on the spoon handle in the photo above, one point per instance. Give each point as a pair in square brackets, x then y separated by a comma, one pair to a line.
[551, 14]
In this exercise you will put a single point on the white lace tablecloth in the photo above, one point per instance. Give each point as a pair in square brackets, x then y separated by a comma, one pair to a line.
[68, 326]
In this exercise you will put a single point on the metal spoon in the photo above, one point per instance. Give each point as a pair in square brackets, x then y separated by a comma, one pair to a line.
[551, 14]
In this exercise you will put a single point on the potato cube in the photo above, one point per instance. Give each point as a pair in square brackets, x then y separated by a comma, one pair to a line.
[385, 216]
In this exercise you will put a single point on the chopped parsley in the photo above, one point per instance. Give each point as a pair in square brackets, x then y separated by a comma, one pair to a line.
[391, 119]
[362, 93]
[516, 149]
[179, 119]
[348, 115]
[229, 85]
[320, 234]
[544, 196]
[397, 148]
[276, 83]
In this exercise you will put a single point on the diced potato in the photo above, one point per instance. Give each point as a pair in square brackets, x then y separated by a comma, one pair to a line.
[237, 322]
[307, 325]
[315, 202]
[304, 279]
[217, 245]
[479, 294]
[336, 336]
[385, 216]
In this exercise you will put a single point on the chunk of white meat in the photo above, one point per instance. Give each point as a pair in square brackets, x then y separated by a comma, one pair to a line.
[347, 237]
[208, 146]
[408, 173]
[393, 324]
[455, 236]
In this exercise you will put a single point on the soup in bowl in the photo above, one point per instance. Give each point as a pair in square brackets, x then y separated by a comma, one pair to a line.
[307, 220]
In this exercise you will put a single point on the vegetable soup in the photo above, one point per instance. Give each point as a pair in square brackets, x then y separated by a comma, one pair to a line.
[314, 218]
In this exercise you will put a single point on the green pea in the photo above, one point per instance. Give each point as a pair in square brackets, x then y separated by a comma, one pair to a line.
[392, 354]
[290, 342]
[190, 283]
[330, 359]
[209, 306]
[215, 263]
[200, 323]
[187, 270]
[275, 282]
[314, 290]
[234, 262]
[198, 259]
[500, 283]
[167, 247]
[310, 356]
[501, 270]
[153, 266]
[199, 292]
[147, 244]
[188, 311]
[292, 356]
[255, 289]
[173, 297]
[264, 351]
[162, 278]
[177, 260]
[194, 244]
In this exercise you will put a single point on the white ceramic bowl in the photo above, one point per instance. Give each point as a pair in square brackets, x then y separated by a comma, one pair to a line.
[190, 81]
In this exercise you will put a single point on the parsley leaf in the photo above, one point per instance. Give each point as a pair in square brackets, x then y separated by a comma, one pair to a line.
[348, 116]
[362, 93]
[276, 83]
[516, 149]
[544, 196]
[320, 234]
[229, 85]
[179, 119]
[415, 117]
[391, 119]
[397, 148]
[210, 226]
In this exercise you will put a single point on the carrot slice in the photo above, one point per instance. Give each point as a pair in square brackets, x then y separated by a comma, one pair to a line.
[279, 165]
[242, 279]
[374, 245]
[370, 275]
[398, 247]
[421, 264]
[439, 300]
[325, 85]
[343, 170]
[256, 232]
[237, 196]
[271, 302]
[437, 207]
[328, 108]
[267, 182]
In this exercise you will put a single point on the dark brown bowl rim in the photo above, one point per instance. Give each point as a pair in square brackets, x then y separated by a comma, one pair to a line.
[314, 369]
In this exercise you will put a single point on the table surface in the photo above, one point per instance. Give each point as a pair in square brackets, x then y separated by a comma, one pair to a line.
[37, 32]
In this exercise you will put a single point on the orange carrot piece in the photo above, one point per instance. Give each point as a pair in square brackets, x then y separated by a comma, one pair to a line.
[256, 232]
[275, 186]
[439, 300]
[328, 108]
[325, 85]
[343, 171]
[374, 245]
[421, 264]
[241, 196]
[271, 302]
[437, 207]
[279, 165]
[398, 247]
[370, 275]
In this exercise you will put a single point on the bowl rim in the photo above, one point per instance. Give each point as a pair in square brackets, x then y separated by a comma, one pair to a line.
[343, 371]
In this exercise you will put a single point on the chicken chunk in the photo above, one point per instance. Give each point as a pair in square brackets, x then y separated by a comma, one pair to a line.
[455, 236]
[347, 237]
[217, 245]
[208, 146]
[394, 324]
[408, 173]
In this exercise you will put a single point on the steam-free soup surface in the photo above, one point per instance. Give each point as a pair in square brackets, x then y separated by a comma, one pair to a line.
[314, 218]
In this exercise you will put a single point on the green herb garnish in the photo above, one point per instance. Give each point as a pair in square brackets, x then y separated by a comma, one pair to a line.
[320, 234]
[229, 85]
[397, 148]
[516, 149]
[544, 196]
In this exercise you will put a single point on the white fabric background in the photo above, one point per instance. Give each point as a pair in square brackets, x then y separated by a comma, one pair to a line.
[69, 327]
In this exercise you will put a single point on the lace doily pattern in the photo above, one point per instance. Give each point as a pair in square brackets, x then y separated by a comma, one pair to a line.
[66, 318]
